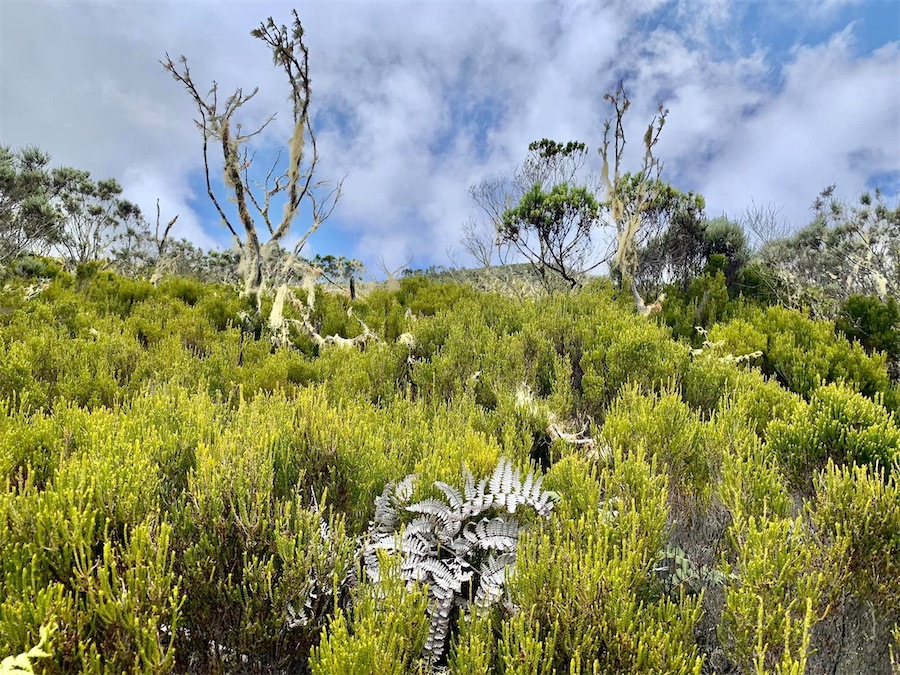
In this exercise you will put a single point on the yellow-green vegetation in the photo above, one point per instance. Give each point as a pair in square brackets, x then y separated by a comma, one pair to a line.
[179, 495]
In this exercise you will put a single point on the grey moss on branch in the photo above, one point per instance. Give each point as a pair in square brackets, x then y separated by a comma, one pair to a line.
[297, 182]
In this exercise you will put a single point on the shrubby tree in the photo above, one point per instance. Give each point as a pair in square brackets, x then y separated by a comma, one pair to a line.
[95, 218]
[875, 324]
[542, 213]
[846, 250]
[727, 238]
[295, 184]
[670, 245]
[688, 246]
[29, 219]
[338, 269]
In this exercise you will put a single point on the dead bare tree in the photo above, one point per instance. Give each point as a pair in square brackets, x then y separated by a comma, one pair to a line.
[495, 257]
[162, 245]
[629, 199]
[296, 183]
[766, 223]
[391, 283]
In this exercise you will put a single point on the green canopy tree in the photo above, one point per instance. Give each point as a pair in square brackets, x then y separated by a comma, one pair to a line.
[29, 218]
[543, 213]
[669, 244]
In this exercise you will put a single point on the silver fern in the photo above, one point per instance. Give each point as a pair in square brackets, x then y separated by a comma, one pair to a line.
[464, 548]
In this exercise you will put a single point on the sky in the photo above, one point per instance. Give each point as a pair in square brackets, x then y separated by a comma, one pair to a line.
[412, 103]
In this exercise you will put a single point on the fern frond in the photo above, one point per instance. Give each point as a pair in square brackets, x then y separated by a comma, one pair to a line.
[386, 517]
[528, 485]
[423, 526]
[418, 547]
[453, 496]
[440, 626]
[492, 579]
[404, 489]
[497, 534]
[497, 478]
[470, 490]
[432, 507]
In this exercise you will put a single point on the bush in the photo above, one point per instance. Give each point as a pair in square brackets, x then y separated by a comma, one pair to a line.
[636, 352]
[805, 354]
[584, 585]
[858, 507]
[178, 495]
[384, 633]
[838, 424]
[666, 428]
[39, 267]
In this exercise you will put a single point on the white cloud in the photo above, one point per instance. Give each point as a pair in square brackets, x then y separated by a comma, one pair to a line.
[835, 120]
[395, 85]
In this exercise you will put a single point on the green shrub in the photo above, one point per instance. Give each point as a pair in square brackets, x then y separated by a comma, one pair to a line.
[636, 352]
[786, 584]
[705, 303]
[384, 632]
[710, 384]
[838, 424]
[859, 507]
[170, 481]
[805, 354]
[37, 266]
[872, 323]
[189, 291]
[585, 584]
[666, 428]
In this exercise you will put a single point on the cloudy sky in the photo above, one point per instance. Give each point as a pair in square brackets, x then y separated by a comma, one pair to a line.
[770, 100]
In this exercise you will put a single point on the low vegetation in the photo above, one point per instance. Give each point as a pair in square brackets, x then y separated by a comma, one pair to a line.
[180, 495]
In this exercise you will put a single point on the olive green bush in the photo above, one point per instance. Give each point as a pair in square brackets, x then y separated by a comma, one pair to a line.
[803, 353]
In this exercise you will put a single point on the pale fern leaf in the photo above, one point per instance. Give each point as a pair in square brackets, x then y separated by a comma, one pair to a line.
[453, 496]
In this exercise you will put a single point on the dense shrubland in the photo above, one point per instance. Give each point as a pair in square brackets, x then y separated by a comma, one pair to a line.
[483, 472]
[182, 496]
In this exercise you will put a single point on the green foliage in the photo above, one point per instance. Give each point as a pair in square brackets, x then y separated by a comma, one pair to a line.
[561, 219]
[705, 303]
[666, 428]
[589, 584]
[804, 353]
[838, 424]
[786, 584]
[859, 507]
[384, 633]
[726, 239]
[676, 250]
[171, 481]
[94, 218]
[872, 323]
[29, 209]
[629, 352]
[41, 267]
[22, 663]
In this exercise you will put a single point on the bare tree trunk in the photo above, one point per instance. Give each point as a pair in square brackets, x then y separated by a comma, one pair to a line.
[296, 181]
[162, 243]
[627, 217]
